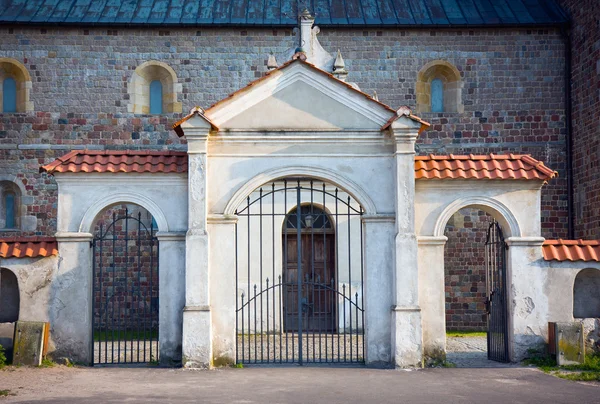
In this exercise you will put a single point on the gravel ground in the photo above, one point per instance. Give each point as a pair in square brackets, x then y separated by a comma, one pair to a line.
[315, 348]
[470, 352]
[288, 384]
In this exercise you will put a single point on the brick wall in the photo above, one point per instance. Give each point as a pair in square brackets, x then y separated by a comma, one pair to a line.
[513, 91]
[464, 270]
[585, 87]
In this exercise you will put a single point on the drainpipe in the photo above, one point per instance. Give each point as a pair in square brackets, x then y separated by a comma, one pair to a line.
[566, 33]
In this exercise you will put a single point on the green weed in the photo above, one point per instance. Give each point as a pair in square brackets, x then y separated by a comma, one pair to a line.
[2, 357]
[465, 333]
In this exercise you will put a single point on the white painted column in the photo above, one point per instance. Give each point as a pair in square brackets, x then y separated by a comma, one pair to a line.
[407, 343]
[171, 291]
[379, 231]
[432, 295]
[70, 313]
[527, 299]
[222, 278]
[197, 333]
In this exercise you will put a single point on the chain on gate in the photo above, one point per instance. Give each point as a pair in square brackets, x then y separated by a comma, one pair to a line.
[496, 299]
[299, 275]
[125, 291]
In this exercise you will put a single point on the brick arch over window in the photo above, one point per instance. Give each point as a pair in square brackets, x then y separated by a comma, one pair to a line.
[11, 69]
[450, 96]
[140, 88]
[586, 300]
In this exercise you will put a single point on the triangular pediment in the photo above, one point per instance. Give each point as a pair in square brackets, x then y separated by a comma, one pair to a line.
[299, 97]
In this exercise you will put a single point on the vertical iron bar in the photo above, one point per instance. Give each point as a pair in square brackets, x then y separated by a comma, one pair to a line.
[285, 262]
[349, 281]
[299, 270]
[139, 259]
[105, 306]
[260, 231]
[312, 261]
[150, 294]
[280, 322]
[362, 285]
[356, 311]
[344, 316]
[114, 283]
[123, 315]
[268, 338]
[99, 327]
[237, 307]
[255, 328]
[243, 334]
[249, 314]
[273, 262]
[325, 277]
[337, 272]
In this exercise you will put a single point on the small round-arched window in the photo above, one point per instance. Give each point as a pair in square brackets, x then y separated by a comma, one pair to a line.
[586, 298]
[10, 198]
[439, 88]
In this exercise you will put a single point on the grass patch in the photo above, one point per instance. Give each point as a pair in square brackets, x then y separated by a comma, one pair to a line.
[587, 372]
[47, 363]
[6, 393]
[465, 333]
[125, 335]
[2, 357]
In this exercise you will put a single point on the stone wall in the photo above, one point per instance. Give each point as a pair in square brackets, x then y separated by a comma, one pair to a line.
[512, 95]
[585, 87]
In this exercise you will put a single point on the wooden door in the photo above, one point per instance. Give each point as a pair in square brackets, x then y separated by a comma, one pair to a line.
[318, 299]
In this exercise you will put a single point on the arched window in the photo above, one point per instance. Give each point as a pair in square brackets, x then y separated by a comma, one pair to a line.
[586, 299]
[437, 95]
[9, 95]
[156, 98]
[10, 197]
[9, 296]
[15, 85]
[439, 88]
[153, 89]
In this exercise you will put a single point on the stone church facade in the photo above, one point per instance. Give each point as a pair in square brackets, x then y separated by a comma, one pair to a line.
[87, 85]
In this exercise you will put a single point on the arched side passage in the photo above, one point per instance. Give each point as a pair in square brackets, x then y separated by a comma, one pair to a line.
[94, 210]
[586, 300]
[497, 209]
[318, 173]
[9, 296]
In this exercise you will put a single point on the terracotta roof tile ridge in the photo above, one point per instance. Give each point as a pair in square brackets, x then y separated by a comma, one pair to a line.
[572, 242]
[27, 239]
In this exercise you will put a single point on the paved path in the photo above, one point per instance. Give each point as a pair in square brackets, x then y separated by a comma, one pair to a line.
[470, 352]
[295, 384]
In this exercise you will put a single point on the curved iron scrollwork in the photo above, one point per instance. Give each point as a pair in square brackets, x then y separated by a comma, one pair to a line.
[125, 290]
[299, 275]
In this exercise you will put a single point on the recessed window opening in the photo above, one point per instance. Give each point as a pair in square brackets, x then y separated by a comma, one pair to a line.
[437, 95]
[9, 95]
[156, 101]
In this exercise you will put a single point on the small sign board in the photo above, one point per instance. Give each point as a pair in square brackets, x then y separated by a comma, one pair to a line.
[30, 342]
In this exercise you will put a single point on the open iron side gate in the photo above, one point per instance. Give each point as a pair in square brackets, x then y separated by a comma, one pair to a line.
[496, 300]
[125, 291]
[303, 307]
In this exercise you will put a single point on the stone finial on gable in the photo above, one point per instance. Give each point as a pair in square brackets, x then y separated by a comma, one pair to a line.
[375, 97]
[404, 111]
[271, 62]
[339, 67]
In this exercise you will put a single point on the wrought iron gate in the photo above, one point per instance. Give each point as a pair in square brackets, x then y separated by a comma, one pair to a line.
[299, 275]
[496, 295]
[125, 291]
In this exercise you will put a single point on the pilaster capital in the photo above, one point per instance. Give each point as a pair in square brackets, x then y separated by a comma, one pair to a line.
[73, 237]
[525, 241]
[222, 219]
[171, 235]
[432, 240]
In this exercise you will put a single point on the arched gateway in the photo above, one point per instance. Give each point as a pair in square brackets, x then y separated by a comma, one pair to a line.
[299, 275]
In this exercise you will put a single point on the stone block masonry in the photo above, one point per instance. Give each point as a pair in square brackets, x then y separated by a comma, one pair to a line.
[513, 92]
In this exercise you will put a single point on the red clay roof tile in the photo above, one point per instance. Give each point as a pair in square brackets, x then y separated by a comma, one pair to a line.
[489, 167]
[119, 161]
[32, 247]
[571, 250]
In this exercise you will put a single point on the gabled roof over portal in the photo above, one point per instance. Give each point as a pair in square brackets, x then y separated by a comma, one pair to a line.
[354, 13]
[298, 96]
